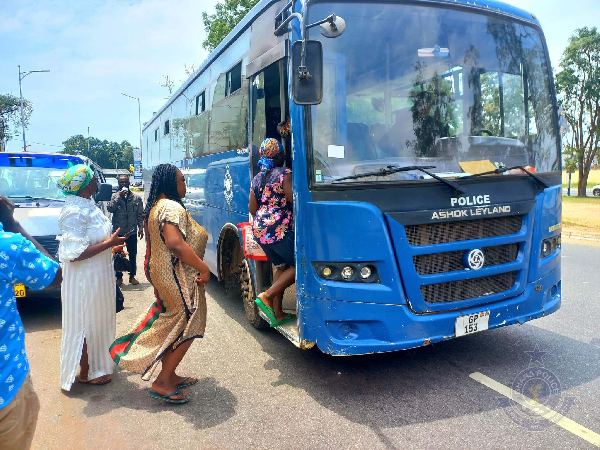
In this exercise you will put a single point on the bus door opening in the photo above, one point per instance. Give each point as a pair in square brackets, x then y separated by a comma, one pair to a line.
[270, 111]
[270, 108]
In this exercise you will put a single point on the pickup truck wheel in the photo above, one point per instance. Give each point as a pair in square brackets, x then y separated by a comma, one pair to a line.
[249, 295]
[596, 192]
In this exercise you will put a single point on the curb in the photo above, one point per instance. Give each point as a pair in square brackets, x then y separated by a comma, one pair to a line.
[586, 236]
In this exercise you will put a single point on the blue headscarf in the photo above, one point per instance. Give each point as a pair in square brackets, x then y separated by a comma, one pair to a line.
[269, 149]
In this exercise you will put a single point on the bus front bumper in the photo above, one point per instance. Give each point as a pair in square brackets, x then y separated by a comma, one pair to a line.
[356, 328]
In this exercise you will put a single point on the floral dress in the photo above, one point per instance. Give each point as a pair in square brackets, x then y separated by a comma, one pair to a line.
[274, 217]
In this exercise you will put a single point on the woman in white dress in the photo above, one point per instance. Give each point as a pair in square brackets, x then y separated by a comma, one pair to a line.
[88, 288]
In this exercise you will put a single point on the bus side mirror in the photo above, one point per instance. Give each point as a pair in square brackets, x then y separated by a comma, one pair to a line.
[104, 192]
[307, 78]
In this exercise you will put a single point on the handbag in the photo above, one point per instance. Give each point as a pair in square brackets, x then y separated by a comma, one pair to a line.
[252, 249]
[121, 263]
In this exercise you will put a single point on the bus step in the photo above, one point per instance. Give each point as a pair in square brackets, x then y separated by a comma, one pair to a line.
[290, 331]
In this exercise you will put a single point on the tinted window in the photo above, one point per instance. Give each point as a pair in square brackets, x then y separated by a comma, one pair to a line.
[200, 103]
[234, 79]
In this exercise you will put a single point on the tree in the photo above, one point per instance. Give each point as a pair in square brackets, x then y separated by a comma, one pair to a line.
[578, 84]
[228, 14]
[10, 115]
[106, 154]
[571, 158]
[168, 83]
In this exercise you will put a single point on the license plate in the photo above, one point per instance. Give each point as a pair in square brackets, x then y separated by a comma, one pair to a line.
[472, 323]
[20, 290]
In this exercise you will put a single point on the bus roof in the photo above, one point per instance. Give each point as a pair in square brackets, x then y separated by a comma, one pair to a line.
[28, 159]
[491, 6]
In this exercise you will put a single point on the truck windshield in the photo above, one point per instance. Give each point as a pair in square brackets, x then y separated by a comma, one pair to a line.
[22, 184]
[410, 85]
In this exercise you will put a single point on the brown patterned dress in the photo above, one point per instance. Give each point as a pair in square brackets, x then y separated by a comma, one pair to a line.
[179, 312]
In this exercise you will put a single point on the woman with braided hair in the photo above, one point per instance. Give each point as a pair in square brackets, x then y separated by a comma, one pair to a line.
[270, 203]
[175, 245]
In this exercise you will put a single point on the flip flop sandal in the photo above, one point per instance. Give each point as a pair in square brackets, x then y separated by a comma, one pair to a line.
[289, 318]
[167, 398]
[184, 384]
[99, 383]
[270, 312]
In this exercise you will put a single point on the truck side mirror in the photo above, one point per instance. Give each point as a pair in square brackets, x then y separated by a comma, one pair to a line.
[307, 78]
[104, 192]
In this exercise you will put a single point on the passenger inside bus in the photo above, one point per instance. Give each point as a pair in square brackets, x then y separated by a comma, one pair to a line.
[271, 203]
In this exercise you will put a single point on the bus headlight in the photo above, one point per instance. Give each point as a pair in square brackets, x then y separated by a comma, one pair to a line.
[546, 247]
[550, 245]
[365, 272]
[348, 272]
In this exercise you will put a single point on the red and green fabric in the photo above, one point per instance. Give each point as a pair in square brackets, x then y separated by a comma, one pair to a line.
[121, 346]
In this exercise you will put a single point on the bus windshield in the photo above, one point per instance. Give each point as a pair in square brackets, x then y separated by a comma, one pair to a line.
[409, 85]
[22, 184]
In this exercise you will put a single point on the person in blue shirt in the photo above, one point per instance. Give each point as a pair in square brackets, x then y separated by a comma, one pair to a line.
[22, 260]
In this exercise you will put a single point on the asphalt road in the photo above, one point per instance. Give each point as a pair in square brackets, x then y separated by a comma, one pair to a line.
[257, 390]
[589, 191]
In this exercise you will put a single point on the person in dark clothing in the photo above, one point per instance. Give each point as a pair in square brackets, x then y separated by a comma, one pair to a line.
[127, 210]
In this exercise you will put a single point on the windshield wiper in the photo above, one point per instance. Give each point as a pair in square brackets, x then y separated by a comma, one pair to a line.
[506, 169]
[395, 169]
[29, 197]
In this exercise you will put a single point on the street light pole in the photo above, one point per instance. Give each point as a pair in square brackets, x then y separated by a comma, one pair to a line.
[139, 116]
[21, 76]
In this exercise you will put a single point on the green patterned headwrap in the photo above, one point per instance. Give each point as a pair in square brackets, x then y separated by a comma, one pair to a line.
[75, 179]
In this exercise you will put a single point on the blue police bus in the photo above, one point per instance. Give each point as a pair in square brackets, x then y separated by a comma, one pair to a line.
[425, 153]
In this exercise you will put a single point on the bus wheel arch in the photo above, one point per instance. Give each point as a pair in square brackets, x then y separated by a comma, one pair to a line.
[230, 256]
[249, 294]
[236, 272]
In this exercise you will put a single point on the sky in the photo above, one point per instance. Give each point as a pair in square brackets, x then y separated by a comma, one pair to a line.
[96, 50]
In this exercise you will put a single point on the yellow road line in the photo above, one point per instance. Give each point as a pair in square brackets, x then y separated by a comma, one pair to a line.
[538, 408]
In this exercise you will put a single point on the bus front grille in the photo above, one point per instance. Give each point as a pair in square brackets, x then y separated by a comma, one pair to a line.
[466, 230]
[50, 244]
[454, 291]
[452, 261]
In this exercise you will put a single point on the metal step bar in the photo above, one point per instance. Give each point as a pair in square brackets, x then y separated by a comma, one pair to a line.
[290, 331]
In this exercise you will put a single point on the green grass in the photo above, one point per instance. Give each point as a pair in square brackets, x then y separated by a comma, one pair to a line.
[581, 213]
[588, 200]
[593, 179]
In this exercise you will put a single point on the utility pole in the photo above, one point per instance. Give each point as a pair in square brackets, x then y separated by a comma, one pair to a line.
[88, 139]
[21, 76]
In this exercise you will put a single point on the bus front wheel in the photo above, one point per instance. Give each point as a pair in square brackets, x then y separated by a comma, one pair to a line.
[249, 295]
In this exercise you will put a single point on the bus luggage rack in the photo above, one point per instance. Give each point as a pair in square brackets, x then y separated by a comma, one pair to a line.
[465, 230]
[452, 261]
[455, 291]
[50, 244]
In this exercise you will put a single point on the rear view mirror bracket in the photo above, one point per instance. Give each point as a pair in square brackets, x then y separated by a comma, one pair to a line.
[307, 56]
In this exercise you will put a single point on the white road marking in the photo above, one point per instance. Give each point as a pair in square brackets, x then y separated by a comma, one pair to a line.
[538, 408]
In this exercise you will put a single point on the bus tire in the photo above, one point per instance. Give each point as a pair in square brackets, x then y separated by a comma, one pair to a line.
[249, 295]
[230, 255]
